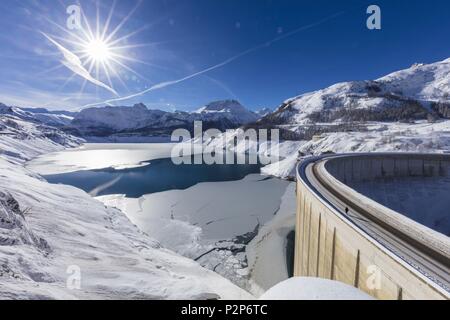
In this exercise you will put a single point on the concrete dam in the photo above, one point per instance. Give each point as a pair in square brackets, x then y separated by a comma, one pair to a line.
[379, 222]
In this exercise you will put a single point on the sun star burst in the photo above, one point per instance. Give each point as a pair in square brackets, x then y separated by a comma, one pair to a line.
[103, 53]
[98, 50]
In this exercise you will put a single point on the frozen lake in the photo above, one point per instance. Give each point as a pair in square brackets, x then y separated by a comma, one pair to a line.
[157, 176]
[208, 213]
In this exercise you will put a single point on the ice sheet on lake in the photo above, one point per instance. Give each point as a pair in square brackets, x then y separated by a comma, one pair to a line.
[100, 156]
[210, 222]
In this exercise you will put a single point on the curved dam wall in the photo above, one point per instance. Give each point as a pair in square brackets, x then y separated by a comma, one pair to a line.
[362, 168]
[329, 245]
[417, 186]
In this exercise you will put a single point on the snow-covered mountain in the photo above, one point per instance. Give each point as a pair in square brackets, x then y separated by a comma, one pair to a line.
[51, 118]
[117, 118]
[264, 112]
[231, 110]
[420, 92]
[140, 121]
[137, 122]
[22, 139]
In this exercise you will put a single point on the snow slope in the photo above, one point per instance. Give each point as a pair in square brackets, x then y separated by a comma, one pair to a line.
[266, 253]
[21, 140]
[50, 234]
[407, 94]
[379, 137]
[314, 289]
[51, 118]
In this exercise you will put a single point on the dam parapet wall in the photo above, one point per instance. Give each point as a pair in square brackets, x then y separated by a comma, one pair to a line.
[361, 168]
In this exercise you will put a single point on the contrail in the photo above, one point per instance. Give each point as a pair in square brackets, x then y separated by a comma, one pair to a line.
[227, 61]
[73, 63]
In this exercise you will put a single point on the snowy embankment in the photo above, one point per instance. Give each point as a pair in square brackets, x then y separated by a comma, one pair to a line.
[56, 242]
[420, 136]
[314, 289]
[267, 252]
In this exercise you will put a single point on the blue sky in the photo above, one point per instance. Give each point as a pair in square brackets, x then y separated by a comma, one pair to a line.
[171, 40]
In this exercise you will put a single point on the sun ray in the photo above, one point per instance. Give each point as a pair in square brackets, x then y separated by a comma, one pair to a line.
[86, 22]
[129, 69]
[105, 69]
[108, 20]
[129, 35]
[96, 75]
[138, 45]
[80, 43]
[97, 30]
[64, 29]
[125, 20]
[57, 67]
[62, 4]
[117, 75]
[91, 66]
[66, 82]
[122, 57]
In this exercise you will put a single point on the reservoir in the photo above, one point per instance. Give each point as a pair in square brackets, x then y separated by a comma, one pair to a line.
[157, 176]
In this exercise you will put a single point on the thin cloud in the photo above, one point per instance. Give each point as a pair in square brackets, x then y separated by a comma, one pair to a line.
[73, 63]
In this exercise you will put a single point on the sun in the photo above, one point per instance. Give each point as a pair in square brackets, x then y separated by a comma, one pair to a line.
[102, 50]
[98, 50]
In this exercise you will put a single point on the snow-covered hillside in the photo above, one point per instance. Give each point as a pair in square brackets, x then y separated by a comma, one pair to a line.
[420, 136]
[420, 92]
[56, 242]
[21, 140]
[52, 118]
[39, 115]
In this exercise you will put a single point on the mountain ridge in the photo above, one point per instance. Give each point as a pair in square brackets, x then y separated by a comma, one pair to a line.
[419, 92]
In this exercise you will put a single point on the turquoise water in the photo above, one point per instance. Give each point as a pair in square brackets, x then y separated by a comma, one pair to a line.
[160, 175]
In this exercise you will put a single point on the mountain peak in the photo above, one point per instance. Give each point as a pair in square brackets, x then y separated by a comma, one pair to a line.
[4, 108]
[223, 106]
[264, 112]
[140, 106]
